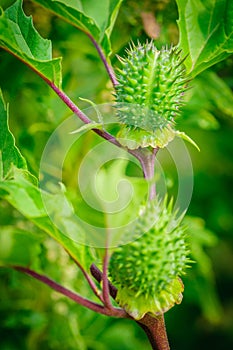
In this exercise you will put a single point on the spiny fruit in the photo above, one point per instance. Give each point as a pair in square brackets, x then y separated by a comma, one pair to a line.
[147, 271]
[149, 95]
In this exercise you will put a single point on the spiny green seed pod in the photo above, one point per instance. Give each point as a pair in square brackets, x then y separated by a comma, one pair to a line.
[147, 271]
[149, 95]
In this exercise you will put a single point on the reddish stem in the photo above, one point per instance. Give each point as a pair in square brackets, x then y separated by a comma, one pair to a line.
[108, 67]
[105, 294]
[156, 331]
[147, 163]
[115, 312]
[98, 275]
[88, 278]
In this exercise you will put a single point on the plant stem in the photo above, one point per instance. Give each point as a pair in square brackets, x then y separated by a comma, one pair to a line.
[156, 331]
[82, 116]
[108, 67]
[106, 294]
[88, 278]
[147, 163]
[145, 157]
[116, 312]
[98, 275]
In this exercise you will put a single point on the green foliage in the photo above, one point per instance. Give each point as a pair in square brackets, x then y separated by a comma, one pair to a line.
[50, 321]
[19, 37]
[19, 247]
[94, 18]
[25, 196]
[202, 273]
[206, 32]
[21, 190]
[215, 98]
[9, 153]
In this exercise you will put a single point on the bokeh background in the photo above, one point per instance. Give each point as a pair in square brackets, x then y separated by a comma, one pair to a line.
[32, 316]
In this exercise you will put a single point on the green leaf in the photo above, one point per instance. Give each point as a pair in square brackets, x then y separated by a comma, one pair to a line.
[19, 247]
[218, 93]
[96, 18]
[19, 37]
[9, 153]
[185, 137]
[26, 197]
[206, 32]
[87, 127]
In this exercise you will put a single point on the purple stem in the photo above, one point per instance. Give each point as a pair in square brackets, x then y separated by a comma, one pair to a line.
[88, 278]
[147, 163]
[108, 67]
[105, 295]
[116, 312]
[145, 157]
[82, 116]
[98, 275]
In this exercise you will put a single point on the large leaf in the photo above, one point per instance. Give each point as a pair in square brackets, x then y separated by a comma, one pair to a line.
[206, 32]
[19, 37]
[96, 18]
[20, 189]
[25, 196]
[9, 153]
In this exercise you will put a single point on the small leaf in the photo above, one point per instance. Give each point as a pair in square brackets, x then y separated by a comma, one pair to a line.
[95, 18]
[87, 127]
[9, 153]
[98, 113]
[185, 137]
[19, 37]
[206, 32]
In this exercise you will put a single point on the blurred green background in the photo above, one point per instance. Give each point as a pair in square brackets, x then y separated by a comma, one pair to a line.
[34, 317]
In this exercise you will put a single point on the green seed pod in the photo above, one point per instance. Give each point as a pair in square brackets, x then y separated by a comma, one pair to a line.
[147, 271]
[149, 95]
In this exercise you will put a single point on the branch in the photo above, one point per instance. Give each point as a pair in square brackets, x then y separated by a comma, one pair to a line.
[143, 155]
[82, 116]
[108, 67]
[105, 294]
[73, 296]
[147, 163]
[98, 275]
[88, 278]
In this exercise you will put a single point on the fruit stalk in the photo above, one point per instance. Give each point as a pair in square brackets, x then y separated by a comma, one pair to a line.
[156, 331]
